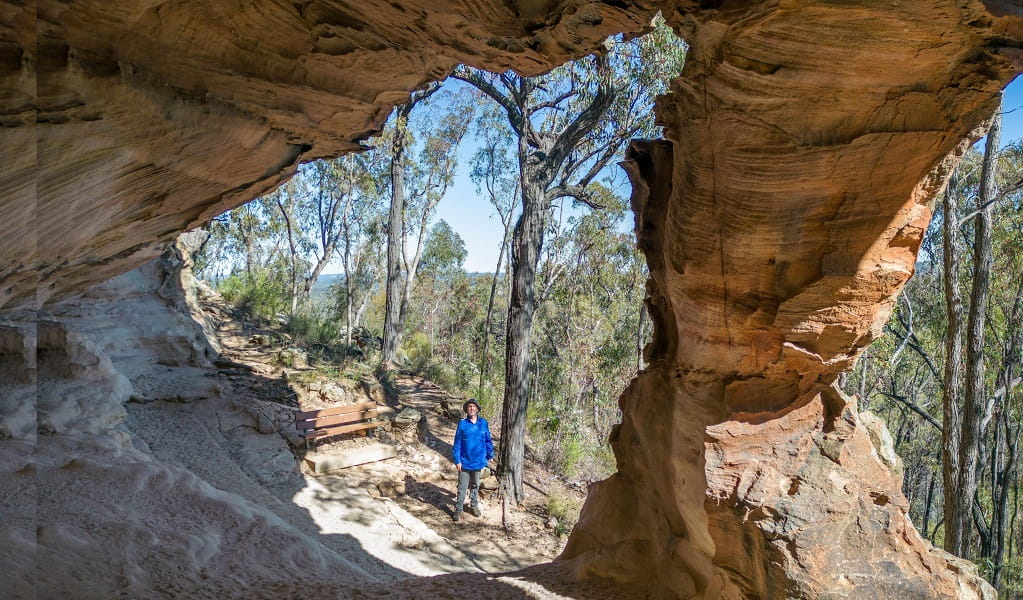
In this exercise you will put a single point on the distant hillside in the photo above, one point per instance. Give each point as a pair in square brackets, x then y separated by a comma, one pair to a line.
[321, 291]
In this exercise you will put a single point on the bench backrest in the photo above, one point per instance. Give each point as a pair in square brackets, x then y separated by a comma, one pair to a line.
[336, 415]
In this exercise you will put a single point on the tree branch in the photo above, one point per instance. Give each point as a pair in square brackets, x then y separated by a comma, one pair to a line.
[916, 346]
[588, 118]
[578, 192]
[510, 106]
[1014, 187]
[915, 408]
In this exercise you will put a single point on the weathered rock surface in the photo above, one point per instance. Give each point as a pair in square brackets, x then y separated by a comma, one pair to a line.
[804, 505]
[807, 140]
[148, 119]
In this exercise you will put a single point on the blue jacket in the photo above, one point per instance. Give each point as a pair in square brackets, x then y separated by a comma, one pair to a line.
[473, 447]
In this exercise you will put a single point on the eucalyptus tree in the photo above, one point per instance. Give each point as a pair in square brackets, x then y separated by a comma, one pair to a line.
[238, 238]
[286, 199]
[591, 282]
[416, 186]
[568, 125]
[444, 254]
[361, 215]
[494, 171]
[964, 425]
[955, 412]
[319, 208]
[342, 198]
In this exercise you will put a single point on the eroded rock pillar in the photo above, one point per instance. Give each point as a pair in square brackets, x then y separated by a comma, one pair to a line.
[807, 142]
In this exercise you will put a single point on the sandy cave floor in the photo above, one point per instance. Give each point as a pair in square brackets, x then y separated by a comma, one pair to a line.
[387, 521]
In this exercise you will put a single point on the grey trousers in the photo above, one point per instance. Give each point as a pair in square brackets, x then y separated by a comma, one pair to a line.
[470, 480]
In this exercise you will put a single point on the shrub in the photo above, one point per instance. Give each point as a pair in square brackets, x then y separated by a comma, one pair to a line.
[565, 509]
[313, 326]
[441, 374]
[418, 352]
[260, 295]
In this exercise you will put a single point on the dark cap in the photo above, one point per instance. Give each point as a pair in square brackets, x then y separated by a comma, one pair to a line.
[465, 407]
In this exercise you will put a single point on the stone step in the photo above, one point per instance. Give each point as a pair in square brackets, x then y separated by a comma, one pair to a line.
[341, 459]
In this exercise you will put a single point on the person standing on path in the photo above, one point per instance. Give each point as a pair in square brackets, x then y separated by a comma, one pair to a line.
[472, 450]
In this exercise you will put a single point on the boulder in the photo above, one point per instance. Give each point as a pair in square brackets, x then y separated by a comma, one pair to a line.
[332, 392]
[407, 418]
[372, 388]
[294, 358]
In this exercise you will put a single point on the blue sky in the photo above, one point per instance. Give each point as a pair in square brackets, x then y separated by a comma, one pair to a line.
[475, 220]
[472, 216]
[1012, 112]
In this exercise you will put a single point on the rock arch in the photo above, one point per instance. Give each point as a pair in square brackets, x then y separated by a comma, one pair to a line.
[806, 142]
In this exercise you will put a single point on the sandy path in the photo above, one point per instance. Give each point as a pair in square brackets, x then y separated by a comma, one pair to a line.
[411, 532]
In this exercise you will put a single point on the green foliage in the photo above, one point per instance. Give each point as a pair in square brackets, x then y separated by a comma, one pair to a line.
[418, 352]
[1012, 578]
[314, 326]
[262, 294]
[565, 509]
[420, 360]
[444, 253]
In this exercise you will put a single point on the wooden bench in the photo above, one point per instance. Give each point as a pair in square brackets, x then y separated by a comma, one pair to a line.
[329, 422]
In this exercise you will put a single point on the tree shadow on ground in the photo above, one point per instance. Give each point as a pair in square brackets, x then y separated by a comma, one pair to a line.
[427, 436]
[432, 494]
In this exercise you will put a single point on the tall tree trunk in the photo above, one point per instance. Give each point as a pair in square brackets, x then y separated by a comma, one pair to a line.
[955, 513]
[250, 255]
[367, 296]
[349, 290]
[1000, 519]
[286, 213]
[1012, 520]
[310, 281]
[527, 241]
[411, 262]
[395, 232]
[974, 400]
[485, 357]
[928, 505]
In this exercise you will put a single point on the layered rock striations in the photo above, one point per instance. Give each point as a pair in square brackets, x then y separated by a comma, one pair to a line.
[806, 142]
[126, 123]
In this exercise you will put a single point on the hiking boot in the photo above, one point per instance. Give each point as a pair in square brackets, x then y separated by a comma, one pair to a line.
[456, 517]
[475, 511]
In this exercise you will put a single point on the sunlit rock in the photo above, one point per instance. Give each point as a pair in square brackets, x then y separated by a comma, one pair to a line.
[807, 143]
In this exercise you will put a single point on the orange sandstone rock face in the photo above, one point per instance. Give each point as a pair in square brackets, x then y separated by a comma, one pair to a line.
[807, 141]
[127, 123]
[802, 505]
